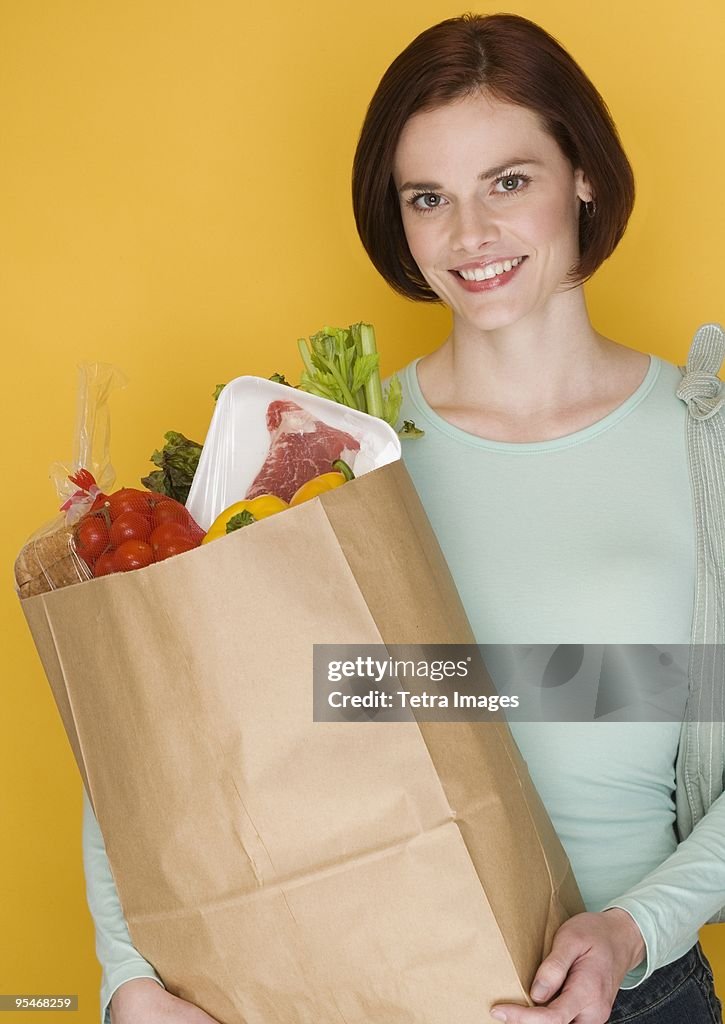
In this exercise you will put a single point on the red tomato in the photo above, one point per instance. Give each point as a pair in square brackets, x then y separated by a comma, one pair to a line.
[105, 564]
[129, 499]
[91, 539]
[129, 526]
[168, 511]
[86, 557]
[196, 531]
[174, 546]
[168, 532]
[132, 554]
[91, 536]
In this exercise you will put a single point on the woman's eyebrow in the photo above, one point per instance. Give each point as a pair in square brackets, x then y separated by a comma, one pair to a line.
[492, 172]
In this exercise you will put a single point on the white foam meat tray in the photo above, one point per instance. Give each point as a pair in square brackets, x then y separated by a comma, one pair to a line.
[238, 441]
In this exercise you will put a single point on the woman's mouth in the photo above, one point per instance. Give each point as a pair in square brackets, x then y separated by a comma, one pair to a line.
[493, 275]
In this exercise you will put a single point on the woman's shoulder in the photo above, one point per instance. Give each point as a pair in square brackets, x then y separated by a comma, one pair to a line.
[669, 372]
[665, 378]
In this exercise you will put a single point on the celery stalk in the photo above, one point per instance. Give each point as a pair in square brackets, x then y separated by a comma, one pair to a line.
[342, 384]
[343, 364]
[305, 353]
[364, 335]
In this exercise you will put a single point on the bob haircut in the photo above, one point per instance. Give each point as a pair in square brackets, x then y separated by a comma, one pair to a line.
[513, 60]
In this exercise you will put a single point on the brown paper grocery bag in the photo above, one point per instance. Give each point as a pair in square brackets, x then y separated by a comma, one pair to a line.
[277, 870]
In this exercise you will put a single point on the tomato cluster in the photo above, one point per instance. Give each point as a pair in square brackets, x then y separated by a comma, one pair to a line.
[131, 529]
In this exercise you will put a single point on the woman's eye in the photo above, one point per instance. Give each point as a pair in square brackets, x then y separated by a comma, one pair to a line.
[510, 182]
[425, 201]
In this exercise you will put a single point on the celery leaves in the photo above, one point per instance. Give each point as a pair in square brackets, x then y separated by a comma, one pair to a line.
[343, 364]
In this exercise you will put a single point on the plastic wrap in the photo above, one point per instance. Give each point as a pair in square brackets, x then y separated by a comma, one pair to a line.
[99, 532]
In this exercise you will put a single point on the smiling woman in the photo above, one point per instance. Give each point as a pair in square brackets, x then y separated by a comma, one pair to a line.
[489, 176]
[504, 58]
[483, 232]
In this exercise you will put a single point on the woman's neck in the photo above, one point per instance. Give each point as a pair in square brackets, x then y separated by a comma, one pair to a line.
[543, 375]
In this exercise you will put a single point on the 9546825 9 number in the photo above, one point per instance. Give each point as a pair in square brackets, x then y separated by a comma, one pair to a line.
[27, 1001]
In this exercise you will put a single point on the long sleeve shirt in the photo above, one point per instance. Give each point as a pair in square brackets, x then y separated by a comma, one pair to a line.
[588, 539]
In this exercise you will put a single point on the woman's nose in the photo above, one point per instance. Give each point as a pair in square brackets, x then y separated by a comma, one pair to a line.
[472, 227]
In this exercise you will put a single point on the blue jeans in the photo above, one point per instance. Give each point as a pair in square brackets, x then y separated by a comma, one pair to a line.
[679, 993]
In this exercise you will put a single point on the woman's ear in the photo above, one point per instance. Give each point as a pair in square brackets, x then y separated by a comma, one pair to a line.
[584, 190]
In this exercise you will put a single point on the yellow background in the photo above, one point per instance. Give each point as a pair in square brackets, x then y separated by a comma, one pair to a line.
[174, 198]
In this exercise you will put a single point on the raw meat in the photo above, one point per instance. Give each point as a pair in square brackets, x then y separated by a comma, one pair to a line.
[301, 447]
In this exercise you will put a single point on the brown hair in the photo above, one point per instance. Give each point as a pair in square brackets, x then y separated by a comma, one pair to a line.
[513, 60]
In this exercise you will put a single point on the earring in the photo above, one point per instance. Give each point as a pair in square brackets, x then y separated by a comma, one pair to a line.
[591, 207]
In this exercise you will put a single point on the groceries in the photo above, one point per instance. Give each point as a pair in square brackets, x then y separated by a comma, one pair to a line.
[177, 462]
[280, 454]
[265, 438]
[48, 561]
[302, 446]
[130, 529]
[343, 364]
[244, 513]
[339, 475]
[273, 446]
[103, 534]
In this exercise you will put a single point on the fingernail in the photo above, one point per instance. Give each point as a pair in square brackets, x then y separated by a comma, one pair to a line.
[498, 1014]
[539, 990]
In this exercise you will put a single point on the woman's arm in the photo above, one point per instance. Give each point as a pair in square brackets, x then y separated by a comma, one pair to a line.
[119, 960]
[670, 903]
[680, 895]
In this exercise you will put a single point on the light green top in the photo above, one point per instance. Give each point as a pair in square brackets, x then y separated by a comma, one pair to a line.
[588, 538]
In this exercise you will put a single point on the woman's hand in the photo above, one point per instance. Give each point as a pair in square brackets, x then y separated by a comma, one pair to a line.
[590, 955]
[144, 1001]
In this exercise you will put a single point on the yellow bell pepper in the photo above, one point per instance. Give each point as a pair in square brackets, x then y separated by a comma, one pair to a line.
[317, 485]
[242, 513]
[323, 482]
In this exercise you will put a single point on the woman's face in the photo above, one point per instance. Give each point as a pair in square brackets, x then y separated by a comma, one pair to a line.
[481, 186]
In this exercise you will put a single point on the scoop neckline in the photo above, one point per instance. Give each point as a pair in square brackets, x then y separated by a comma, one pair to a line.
[526, 447]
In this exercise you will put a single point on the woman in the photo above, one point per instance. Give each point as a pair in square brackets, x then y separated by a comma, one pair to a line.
[489, 177]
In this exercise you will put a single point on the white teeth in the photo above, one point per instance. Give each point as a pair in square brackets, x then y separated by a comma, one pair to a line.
[492, 270]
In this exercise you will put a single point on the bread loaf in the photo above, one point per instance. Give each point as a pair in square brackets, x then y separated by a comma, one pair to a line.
[48, 561]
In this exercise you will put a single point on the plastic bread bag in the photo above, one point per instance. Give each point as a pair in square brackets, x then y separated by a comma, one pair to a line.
[48, 559]
[99, 532]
